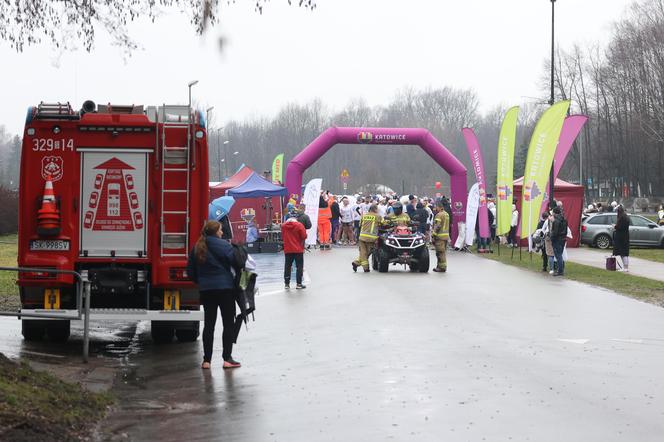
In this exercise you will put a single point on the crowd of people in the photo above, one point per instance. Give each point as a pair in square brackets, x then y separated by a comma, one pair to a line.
[355, 220]
[352, 220]
[339, 216]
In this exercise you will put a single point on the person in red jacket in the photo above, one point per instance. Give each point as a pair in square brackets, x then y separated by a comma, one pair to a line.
[293, 235]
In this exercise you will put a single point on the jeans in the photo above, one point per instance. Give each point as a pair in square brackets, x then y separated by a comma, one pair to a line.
[223, 300]
[298, 258]
[511, 236]
[558, 247]
[335, 229]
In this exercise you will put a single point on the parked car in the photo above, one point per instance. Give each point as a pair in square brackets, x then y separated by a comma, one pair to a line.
[597, 231]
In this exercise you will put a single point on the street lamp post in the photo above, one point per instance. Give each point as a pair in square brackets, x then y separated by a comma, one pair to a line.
[552, 203]
[225, 159]
[208, 125]
[218, 151]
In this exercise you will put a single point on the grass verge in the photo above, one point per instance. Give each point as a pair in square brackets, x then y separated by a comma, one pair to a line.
[637, 287]
[656, 255]
[35, 405]
[9, 298]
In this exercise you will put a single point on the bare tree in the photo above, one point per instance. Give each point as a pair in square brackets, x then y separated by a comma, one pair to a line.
[67, 22]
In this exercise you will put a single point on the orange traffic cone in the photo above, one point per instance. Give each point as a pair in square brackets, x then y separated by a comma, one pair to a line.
[48, 217]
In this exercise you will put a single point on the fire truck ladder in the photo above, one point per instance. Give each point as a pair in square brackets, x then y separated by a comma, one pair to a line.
[175, 162]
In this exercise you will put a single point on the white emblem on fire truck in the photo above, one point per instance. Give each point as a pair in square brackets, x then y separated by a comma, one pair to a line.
[52, 166]
[110, 206]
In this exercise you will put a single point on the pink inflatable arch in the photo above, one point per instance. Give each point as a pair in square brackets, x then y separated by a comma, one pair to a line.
[358, 135]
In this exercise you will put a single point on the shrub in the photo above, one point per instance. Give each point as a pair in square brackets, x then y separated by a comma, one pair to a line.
[8, 210]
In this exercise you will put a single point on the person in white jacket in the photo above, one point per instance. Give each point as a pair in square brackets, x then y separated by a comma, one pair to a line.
[511, 238]
[492, 209]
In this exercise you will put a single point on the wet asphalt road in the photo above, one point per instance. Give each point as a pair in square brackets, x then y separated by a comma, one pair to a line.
[484, 352]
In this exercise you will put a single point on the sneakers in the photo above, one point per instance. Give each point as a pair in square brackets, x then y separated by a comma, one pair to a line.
[287, 286]
[300, 286]
[230, 363]
[550, 272]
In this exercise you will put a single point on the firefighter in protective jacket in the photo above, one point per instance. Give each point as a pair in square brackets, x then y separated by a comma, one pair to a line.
[441, 235]
[398, 217]
[368, 235]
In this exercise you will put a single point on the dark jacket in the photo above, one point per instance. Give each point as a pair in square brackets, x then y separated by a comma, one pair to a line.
[304, 219]
[421, 216]
[334, 207]
[559, 228]
[410, 210]
[621, 237]
[226, 229]
[215, 272]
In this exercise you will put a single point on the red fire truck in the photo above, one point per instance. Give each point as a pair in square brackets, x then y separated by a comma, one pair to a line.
[118, 194]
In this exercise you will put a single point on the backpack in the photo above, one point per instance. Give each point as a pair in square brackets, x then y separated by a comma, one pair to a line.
[241, 255]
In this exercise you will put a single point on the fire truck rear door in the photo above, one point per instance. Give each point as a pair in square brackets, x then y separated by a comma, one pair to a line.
[113, 202]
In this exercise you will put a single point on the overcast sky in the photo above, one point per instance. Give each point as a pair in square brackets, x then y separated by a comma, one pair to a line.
[343, 50]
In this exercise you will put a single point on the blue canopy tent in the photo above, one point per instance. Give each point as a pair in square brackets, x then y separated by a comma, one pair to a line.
[255, 186]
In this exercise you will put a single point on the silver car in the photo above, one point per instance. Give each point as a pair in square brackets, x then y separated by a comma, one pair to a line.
[597, 231]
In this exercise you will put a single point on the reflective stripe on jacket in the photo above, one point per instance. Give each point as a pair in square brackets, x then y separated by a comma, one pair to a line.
[369, 226]
[402, 219]
[441, 226]
[324, 213]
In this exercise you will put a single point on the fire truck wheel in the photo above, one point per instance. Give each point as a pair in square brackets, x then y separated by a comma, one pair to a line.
[33, 330]
[58, 331]
[189, 334]
[162, 333]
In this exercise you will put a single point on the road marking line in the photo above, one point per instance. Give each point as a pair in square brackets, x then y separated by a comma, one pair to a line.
[276, 292]
[575, 341]
[628, 341]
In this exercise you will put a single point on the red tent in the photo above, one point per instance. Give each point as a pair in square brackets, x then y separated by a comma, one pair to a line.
[234, 181]
[572, 197]
[246, 206]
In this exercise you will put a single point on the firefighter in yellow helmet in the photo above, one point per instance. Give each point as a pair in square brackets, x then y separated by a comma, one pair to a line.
[368, 234]
[441, 235]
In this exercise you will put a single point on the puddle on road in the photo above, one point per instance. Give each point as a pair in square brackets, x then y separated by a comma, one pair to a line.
[130, 377]
[112, 340]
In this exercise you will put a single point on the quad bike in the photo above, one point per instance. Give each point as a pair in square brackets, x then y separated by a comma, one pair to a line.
[401, 245]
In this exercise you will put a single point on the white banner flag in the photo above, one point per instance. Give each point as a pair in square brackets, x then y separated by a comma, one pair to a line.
[310, 199]
[471, 212]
